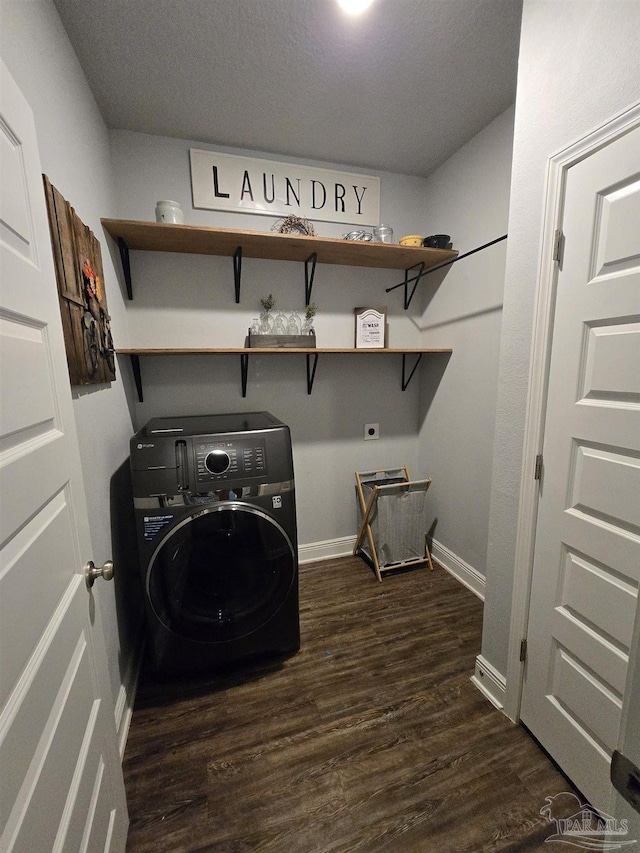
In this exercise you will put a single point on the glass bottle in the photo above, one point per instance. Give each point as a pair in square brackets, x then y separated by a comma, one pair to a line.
[280, 324]
[294, 325]
[266, 323]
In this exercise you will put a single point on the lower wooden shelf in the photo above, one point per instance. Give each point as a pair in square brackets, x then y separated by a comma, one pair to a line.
[311, 353]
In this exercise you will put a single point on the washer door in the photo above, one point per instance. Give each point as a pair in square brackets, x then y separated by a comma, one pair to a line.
[221, 574]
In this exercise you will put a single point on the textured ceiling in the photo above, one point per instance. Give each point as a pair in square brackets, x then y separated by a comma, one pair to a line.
[400, 88]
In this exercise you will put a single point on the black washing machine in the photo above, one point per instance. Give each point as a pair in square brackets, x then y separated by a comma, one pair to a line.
[214, 502]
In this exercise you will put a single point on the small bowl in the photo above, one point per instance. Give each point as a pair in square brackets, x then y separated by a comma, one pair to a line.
[436, 241]
[411, 240]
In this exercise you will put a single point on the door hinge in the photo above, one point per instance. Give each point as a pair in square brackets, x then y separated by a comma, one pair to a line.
[523, 650]
[558, 246]
[537, 473]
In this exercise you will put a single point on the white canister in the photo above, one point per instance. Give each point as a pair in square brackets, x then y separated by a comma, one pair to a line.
[169, 211]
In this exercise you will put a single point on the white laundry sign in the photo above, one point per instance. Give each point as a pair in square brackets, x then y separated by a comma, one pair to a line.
[252, 185]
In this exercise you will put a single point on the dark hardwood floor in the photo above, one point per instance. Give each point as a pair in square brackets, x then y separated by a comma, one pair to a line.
[371, 738]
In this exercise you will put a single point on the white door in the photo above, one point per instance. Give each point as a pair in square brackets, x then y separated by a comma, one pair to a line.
[61, 785]
[587, 552]
[627, 807]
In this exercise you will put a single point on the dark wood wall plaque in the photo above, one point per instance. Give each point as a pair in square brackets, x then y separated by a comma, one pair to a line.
[83, 302]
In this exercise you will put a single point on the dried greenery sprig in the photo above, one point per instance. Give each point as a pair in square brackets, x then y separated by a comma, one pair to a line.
[294, 225]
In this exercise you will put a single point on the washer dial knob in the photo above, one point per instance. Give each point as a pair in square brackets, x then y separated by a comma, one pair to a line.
[217, 461]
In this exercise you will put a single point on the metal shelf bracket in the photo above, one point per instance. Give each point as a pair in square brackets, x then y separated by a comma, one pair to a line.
[237, 273]
[311, 371]
[407, 281]
[137, 375]
[244, 371]
[309, 273]
[126, 266]
[407, 379]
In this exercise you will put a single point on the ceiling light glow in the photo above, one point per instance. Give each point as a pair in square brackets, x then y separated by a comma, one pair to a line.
[354, 7]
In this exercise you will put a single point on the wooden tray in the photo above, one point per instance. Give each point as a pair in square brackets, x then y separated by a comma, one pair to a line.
[280, 341]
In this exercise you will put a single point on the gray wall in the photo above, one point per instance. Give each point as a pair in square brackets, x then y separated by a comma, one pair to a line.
[74, 153]
[188, 301]
[468, 198]
[579, 66]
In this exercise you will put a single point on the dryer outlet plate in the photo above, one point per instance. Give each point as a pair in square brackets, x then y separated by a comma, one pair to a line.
[371, 432]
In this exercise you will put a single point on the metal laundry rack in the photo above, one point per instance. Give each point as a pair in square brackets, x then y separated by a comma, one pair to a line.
[392, 531]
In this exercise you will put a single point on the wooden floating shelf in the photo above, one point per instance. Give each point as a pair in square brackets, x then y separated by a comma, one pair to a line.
[202, 240]
[281, 351]
[311, 353]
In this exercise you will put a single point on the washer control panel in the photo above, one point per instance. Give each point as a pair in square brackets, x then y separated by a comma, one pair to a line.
[222, 460]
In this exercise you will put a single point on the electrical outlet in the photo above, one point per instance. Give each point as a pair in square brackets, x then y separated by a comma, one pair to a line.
[371, 432]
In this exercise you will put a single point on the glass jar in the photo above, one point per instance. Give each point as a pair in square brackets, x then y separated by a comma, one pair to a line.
[383, 234]
[169, 211]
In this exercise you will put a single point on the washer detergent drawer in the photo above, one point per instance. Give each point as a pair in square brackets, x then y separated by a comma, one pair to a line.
[152, 483]
[153, 455]
[221, 573]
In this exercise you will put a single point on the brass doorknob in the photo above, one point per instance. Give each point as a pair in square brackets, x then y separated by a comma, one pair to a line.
[91, 572]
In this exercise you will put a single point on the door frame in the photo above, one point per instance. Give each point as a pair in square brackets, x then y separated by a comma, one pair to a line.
[546, 281]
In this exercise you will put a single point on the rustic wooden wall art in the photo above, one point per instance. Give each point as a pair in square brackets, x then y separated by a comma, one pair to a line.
[83, 302]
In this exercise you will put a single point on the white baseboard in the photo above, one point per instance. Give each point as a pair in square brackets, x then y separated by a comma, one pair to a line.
[127, 692]
[490, 682]
[343, 546]
[456, 566]
[327, 550]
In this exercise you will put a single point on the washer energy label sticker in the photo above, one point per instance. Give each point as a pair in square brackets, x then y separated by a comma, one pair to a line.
[277, 502]
[153, 524]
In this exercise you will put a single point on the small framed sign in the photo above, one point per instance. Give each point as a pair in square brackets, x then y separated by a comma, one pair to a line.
[371, 328]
